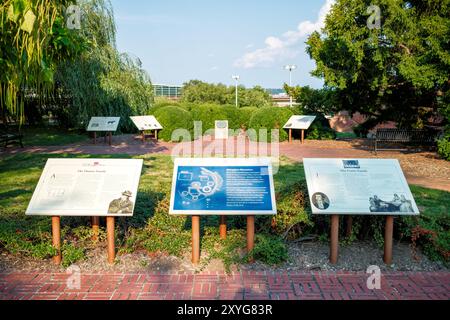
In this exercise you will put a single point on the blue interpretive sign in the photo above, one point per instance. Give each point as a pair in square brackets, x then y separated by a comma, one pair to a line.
[223, 186]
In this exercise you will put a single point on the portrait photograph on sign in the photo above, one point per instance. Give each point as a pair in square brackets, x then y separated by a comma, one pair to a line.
[299, 122]
[228, 186]
[144, 123]
[108, 124]
[87, 187]
[358, 186]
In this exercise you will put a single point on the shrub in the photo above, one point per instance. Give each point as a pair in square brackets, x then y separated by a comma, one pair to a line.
[444, 147]
[233, 115]
[270, 118]
[245, 114]
[208, 114]
[318, 131]
[172, 118]
[269, 249]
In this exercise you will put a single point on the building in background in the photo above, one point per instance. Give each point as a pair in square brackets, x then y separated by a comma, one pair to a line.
[172, 92]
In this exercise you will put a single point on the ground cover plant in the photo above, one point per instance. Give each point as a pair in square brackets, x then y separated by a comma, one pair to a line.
[152, 230]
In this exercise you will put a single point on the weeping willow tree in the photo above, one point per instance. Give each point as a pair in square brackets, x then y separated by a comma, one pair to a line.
[101, 82]
[33, 39]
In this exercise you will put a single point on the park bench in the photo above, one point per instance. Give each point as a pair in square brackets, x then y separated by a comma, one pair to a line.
[8, 138]
[406, 136]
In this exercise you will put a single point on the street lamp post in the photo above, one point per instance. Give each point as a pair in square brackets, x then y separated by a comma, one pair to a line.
[236, 79]
[290, 68]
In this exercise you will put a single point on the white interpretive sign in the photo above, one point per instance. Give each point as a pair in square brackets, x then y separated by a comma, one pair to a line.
[358, 186]
[144, 123]
[299, 122]
[221, 130]
[87, 187]
[225, 186]
[108, 124]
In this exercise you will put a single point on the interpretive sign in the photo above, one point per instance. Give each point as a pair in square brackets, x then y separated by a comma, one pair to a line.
[87, 187]
[144, 123]
[358, 186]
[221, 129]
[108, 124]
[299, 122]
[225, 186]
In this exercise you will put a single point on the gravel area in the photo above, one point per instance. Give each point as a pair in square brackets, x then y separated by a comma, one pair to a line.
[308, 256]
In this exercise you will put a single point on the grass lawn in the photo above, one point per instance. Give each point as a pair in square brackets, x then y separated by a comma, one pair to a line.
[51, 136]
[152, 229]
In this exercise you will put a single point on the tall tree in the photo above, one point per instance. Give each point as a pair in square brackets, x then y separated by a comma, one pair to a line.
[33, 38]
[396, 70]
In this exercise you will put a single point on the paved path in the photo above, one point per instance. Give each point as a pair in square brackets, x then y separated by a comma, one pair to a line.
[236, 286]
[129, 144]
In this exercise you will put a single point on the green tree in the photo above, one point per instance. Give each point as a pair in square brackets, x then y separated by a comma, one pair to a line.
[196, 91]
[397, 72]
[101, 82]
[33, 39]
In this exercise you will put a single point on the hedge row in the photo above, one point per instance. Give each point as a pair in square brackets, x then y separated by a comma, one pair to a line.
[174, 116]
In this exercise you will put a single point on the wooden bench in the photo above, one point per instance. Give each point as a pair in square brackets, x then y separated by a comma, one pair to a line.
[405, 136]
[7, 138]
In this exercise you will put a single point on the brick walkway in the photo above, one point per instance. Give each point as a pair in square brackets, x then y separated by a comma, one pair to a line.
[237, 286]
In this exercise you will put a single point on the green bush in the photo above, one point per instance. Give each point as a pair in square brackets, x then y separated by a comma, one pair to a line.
[444, 147]
[270, 118]
[233, 115]
[269, 249]
[245, 114]
[172, 118]
[318, 131]
[208, 114]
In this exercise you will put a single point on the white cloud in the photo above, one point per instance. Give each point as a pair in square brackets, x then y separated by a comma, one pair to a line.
[278, 49]
[215, 68]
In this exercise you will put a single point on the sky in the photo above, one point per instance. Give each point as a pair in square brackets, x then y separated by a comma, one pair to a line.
[212, 40]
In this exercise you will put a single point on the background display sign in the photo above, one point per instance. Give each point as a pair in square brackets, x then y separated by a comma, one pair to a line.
[228, 186]
[108, 124]
[221, 130]
[299, 122]
[144, 123]
[87, 187]
[358, 186]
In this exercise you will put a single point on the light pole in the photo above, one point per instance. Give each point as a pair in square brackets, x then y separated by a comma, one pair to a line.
[290, 68]
[236, 79]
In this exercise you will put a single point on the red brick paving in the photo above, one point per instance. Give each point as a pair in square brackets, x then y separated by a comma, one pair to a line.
[236, 286]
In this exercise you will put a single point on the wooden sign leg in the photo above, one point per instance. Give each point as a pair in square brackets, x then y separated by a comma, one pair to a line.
[334, 239]
[388, 235]
[110, 236]
[195, 239]
[156, 134]
[349, 226]
[95, 228]
[303, 136]
[105, 137]
[110, 138]
[290, 135]
[56, 238]
[143, 136]
[223, 227]
[250, 234]
[95, 137]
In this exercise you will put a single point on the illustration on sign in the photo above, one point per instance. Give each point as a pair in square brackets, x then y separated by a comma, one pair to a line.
[231, 189]
[358, 186]
[122, 205]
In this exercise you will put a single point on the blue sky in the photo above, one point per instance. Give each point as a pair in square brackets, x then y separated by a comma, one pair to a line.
[212, 40]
